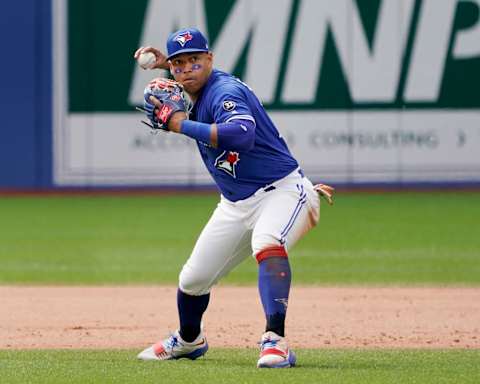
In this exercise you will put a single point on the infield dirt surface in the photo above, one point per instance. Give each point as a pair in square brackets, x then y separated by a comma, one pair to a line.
[318, 317]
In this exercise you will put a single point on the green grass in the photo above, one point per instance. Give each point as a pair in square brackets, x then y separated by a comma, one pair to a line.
[394, 238]
[238, 366]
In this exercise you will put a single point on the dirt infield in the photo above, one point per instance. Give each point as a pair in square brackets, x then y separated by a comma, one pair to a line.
[133, 317]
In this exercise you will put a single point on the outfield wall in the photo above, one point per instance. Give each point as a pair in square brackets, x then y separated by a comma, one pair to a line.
[25, 94]
[383, 91]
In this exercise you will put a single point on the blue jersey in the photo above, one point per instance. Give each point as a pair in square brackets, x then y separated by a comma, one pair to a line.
[239, 175]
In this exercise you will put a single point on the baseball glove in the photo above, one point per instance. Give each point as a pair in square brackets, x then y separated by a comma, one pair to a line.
[172, 98]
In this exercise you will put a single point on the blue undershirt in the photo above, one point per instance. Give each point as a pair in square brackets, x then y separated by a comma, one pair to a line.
[238, 135]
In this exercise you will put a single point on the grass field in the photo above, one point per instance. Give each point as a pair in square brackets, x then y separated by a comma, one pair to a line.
[235, 366]
[385, 239]
[395, 238]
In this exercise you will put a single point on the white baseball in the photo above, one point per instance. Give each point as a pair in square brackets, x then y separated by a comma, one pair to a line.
[146, 60]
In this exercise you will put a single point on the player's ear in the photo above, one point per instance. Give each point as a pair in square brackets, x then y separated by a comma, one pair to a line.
[210, 58]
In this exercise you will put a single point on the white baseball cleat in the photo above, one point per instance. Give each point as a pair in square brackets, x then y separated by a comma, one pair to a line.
[274, 352]
[174, 347]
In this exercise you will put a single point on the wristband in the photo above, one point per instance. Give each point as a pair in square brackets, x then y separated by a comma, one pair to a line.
[196, 130]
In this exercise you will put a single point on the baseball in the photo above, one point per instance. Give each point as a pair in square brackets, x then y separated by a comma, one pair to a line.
[146, 60]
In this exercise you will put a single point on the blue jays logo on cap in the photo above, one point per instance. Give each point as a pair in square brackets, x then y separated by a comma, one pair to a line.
[186, 41]
[183, 38]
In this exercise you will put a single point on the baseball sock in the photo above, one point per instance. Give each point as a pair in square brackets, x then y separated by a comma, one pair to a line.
[190, 311]
[274, 277]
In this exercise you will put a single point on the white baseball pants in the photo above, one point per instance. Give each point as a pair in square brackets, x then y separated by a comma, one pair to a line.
[278, 215]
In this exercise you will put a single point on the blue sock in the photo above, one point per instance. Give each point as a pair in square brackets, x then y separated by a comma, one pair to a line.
[190, 311]
[274, 277]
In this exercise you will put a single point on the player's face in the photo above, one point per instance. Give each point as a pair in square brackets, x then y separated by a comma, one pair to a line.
[192, 70]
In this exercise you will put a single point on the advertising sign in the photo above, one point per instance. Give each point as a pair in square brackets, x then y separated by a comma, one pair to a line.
[378, 91]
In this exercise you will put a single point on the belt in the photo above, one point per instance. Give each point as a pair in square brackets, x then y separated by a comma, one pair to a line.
[269, 188]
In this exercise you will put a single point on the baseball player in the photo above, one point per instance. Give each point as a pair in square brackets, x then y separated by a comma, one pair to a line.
[266, 205]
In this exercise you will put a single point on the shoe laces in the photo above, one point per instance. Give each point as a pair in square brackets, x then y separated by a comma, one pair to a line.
[172, 341]
[265, 344]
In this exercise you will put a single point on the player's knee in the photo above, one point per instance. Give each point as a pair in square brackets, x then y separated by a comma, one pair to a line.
[194, 284]
[270, 251]
[264, 241]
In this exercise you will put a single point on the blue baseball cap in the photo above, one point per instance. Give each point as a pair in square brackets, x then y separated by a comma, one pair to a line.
[185, 41]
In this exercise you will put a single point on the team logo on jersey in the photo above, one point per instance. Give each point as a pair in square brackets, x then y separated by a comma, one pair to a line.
[183, 38]
[227, 162]
[229, 105]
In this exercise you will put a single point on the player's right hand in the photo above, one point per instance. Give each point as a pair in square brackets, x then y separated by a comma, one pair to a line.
[160, 63]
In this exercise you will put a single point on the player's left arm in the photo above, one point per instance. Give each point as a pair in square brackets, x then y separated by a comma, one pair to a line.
[234, 127]
[237, 134]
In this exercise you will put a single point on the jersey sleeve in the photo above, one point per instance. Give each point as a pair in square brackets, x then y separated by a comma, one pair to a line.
[229, 104]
